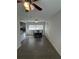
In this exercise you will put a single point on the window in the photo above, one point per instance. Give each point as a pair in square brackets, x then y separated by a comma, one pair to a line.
[35, 27]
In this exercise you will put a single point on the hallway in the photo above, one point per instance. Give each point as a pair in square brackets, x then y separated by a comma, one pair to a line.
[48, 22]
[32, 48]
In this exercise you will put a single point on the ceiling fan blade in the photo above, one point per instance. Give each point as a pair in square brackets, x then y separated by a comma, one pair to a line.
[35, 0]
[37, 7]
[19, 1]
[30, 1]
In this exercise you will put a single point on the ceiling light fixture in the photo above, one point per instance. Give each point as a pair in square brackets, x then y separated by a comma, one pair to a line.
[28, 6]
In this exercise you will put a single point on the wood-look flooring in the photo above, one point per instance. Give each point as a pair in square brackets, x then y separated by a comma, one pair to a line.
[32, 48]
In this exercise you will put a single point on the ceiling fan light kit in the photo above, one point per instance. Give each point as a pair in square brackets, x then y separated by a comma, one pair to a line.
[29, 5]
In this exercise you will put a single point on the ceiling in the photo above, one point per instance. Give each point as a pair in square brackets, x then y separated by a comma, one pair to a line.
[50, 7]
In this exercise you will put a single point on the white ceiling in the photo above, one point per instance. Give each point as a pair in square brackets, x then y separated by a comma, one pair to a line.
[50, 7]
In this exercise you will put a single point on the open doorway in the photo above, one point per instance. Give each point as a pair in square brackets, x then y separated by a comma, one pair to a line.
[33, 28]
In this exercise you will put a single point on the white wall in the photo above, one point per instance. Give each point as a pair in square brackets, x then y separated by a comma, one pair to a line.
[18, 33]
[54, 31]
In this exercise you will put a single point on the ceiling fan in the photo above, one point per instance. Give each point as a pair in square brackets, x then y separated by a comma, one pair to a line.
[29, 4]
